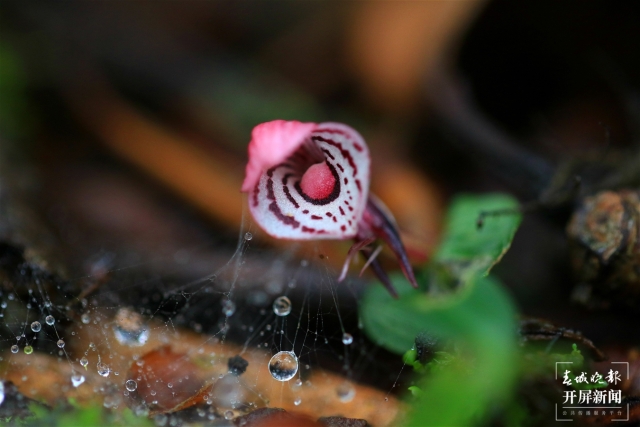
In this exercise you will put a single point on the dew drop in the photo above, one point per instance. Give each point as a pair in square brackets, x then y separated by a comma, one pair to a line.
[283, 365]
[248, 236]
[298, 401]
[228, 307]
[346, 392]
[77, 379]
[131, 385]
[347, 338]
[1, 392]
[282, 306]
[3, 304]
[28, 349]
[160, 420]
[130, 328]
[103, 369]
[60, 343]
[84, 362]
[228, 415]
[36, 326]
[85, 318]
[50, 320]
[14, 348]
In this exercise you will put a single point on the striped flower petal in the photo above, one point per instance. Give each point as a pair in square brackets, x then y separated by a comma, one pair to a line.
[315, 188]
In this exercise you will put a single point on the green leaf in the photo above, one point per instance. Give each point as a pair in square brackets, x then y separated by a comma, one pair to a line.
[467, 249]
[480, 318]
[15, 120]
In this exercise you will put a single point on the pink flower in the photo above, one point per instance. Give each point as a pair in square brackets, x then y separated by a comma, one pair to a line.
[311, 181]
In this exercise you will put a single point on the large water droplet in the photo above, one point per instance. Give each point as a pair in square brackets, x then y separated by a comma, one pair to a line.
[228, 415]
[77, 379]
[283, 365]
[60, 343]
[103, 369]
[248, 236]
[14, 348]
[282, 306]
[346, 392]
[84, 362]
[298, 401]
[28, 349]
[131, 385]
[129, 328]
[160, 420]
[228, 307]
[347, 338]
[50, 320]
[85, 318]
[36, 326]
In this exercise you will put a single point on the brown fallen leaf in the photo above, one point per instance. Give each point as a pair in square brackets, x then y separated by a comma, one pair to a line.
[205, 358]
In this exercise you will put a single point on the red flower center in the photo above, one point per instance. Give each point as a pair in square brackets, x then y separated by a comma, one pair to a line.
[318, 181]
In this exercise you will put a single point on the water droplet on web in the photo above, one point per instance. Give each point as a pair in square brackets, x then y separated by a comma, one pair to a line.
[228, 415]
[129, 328]
[28, 349]
[228, 307]
[14, 348]
[298, 401]
[84, 362]
[160, 420]
[60, 343]
[103, 369]
[131, 385]
[141, 410]
[3, 304]
[77, 379]
[282, 306]
[248, 236]
[346, 392]
[85, 318]
[36, 326]
[283, 365]
[347, 338]
[50, 320]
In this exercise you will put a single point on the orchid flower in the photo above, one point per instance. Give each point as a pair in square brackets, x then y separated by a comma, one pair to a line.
[311, 181]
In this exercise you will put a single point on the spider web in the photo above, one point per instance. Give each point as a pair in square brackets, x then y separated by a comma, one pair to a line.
[93, 339]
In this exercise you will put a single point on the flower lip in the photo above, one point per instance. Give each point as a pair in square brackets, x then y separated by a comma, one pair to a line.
[318, 186]
[271, 144]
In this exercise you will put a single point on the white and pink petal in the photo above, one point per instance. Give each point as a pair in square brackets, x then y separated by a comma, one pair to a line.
[319, 191]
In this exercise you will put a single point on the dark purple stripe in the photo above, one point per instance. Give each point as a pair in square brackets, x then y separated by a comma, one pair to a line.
[345, 153]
